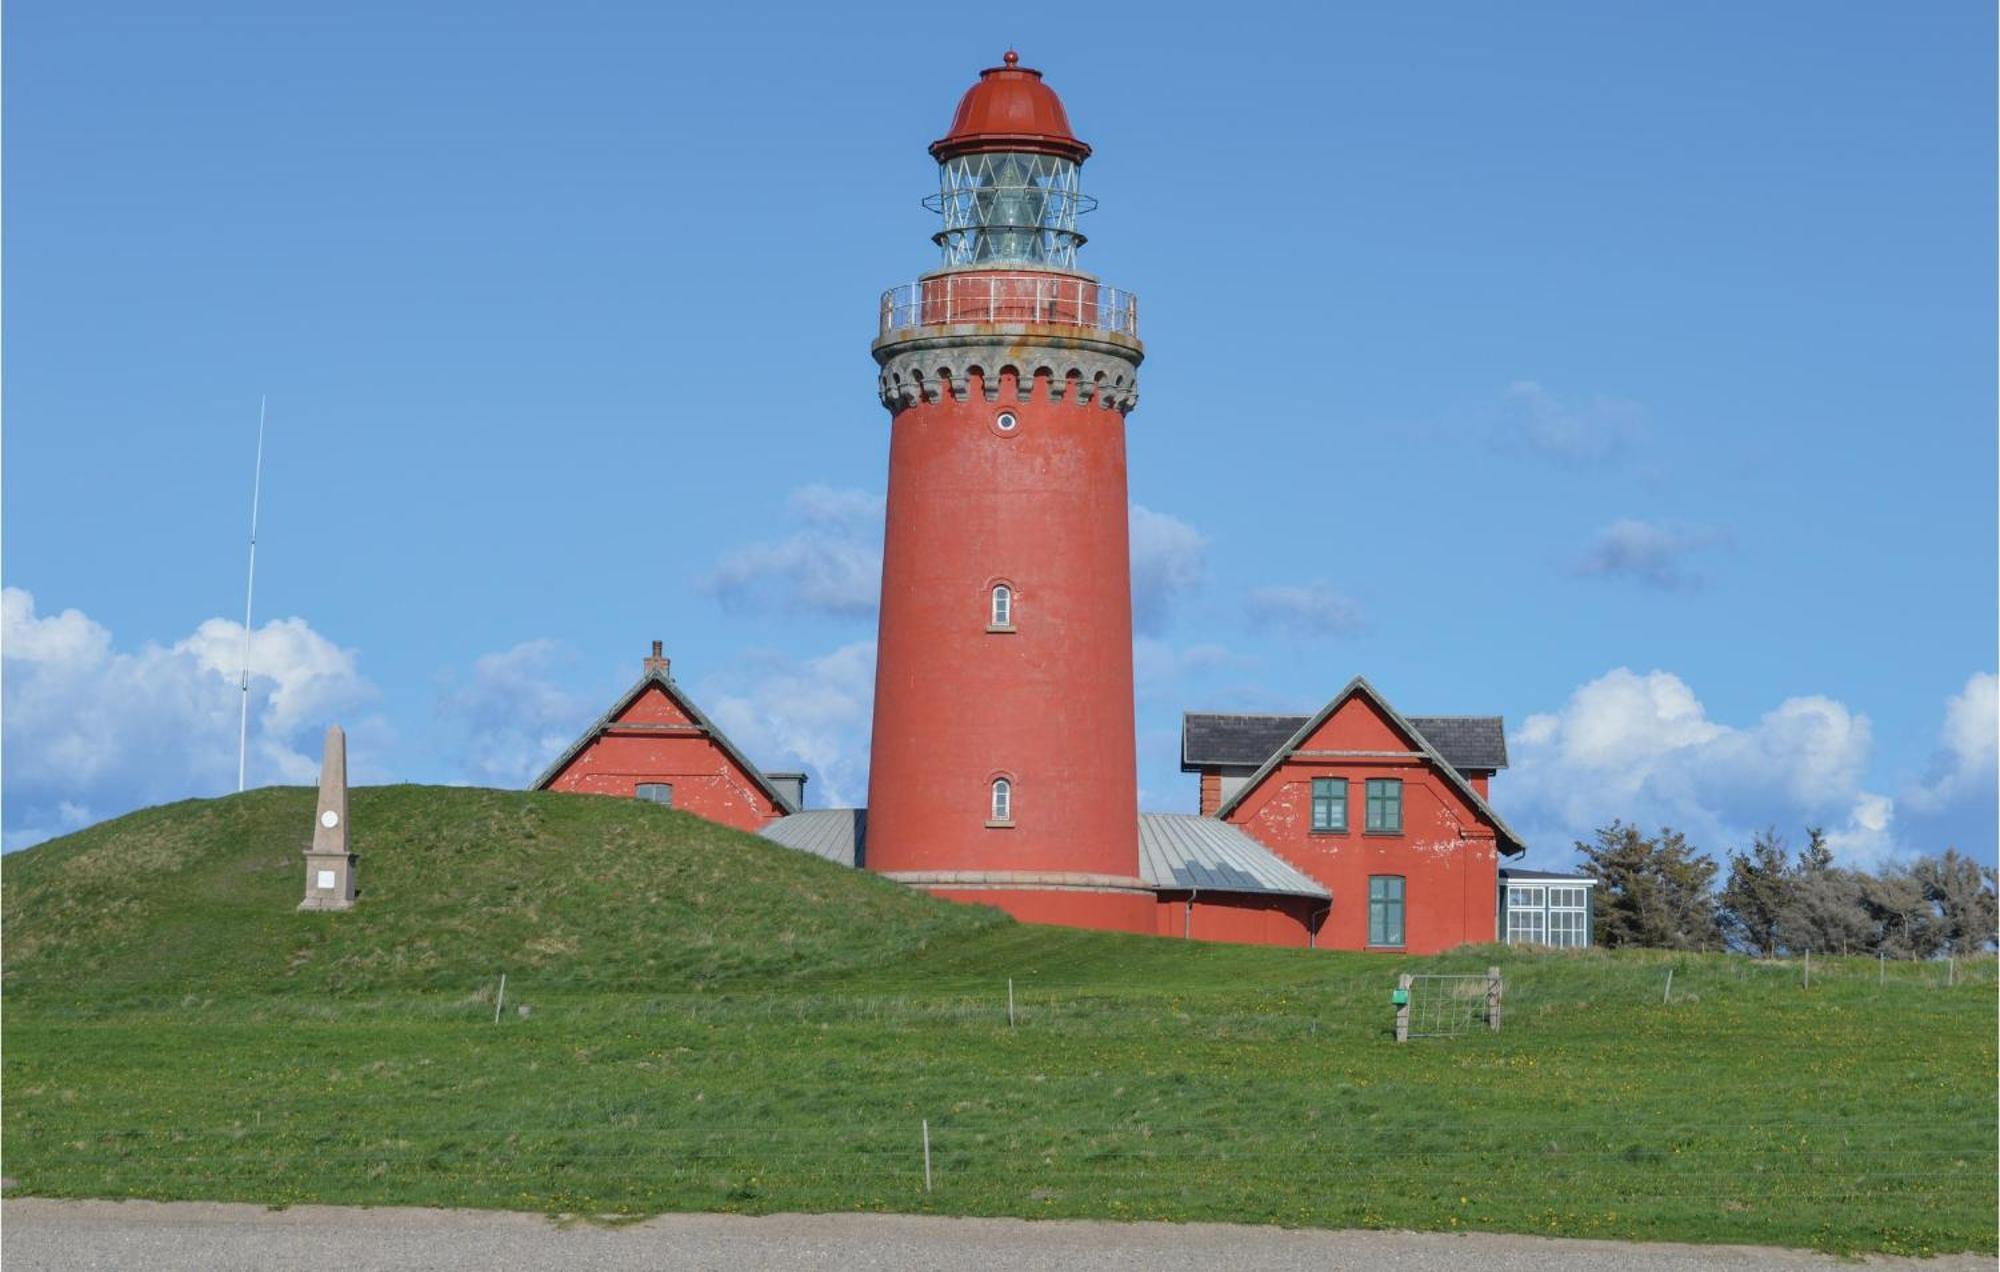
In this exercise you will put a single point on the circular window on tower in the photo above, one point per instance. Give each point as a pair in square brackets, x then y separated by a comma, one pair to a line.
[1006, 423]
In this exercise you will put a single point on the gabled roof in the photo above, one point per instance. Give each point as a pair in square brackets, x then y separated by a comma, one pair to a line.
[1185, 852]
[1509, 842]
[666, 683]
[1467, 743]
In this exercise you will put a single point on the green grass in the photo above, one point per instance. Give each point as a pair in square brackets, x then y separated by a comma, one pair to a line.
[715, 1023]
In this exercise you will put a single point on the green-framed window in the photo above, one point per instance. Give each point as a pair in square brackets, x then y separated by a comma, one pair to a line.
[1385, 909]
[1329, 803]
[1385, 804]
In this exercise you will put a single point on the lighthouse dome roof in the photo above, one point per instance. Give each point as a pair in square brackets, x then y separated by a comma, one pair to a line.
[1010, 109]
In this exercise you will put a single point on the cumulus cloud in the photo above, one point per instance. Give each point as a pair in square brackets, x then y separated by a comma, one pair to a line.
[1647, 552]
[1169, 559]
[1303, 610]
[511, 716]
[92, 731]
[812, 714]
[831, 564]
[1643, 748]
[1588, 432]
[1968, 748]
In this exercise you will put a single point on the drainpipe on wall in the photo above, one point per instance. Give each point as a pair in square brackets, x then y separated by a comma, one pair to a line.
[1312, 925]
[1187, 920]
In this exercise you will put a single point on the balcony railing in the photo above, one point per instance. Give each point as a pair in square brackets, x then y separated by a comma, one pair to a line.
[1013, 297]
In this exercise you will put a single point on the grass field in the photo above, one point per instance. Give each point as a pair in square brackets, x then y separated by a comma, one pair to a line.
[698, 1020]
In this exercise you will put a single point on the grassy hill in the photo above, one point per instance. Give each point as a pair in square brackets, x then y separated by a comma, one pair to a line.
[697, 1019]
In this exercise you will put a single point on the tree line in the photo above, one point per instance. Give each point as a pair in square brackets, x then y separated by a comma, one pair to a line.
[1659, 891]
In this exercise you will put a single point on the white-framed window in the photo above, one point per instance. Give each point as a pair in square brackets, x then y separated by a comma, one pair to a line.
[1003, 605]
[661, 793]
[1006, 421]
[1526, 914]
[1569, 910]
[1003, 800]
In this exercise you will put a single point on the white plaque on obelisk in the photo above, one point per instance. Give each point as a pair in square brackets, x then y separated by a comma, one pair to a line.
[329, 864]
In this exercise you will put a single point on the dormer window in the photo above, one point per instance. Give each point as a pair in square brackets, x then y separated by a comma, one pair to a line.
[1001, 615]
[1002, 809]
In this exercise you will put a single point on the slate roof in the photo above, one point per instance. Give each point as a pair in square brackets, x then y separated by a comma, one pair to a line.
[1509, 842]
[837, 834]
[1183, 851]
[1467, 743]
[686, 704]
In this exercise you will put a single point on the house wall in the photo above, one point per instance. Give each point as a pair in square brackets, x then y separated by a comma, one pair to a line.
[653, 740]
[1108, 910]
[1248, 918]
[1446, 854]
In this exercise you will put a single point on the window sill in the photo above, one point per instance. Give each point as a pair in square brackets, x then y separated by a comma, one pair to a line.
[1342, 833]
[1372, 946]
[1000, 825]
[996, 629]
[1382, 834]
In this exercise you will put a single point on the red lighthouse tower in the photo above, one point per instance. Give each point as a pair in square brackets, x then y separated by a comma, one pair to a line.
[1003, 767]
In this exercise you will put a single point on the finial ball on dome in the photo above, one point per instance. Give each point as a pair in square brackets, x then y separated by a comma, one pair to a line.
[1012, 58]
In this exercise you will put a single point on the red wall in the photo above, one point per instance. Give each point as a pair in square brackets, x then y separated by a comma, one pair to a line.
[1242, 917]
[1446, 854]
[1048, 705]
[653, 740]
[1103, 911]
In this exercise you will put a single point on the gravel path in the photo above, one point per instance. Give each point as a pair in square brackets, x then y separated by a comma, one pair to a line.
[70, 1236]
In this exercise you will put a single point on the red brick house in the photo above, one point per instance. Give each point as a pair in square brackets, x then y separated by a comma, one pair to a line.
[655, 744]
[1388, 813]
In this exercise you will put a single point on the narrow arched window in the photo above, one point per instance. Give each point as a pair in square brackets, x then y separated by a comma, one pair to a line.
[1003, 800]
[1003, 605]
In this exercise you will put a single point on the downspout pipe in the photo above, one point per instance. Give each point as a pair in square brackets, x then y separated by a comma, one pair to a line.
[1187, 918]
[1313, 925]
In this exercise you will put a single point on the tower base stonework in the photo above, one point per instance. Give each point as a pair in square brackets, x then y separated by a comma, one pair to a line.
[329, 862]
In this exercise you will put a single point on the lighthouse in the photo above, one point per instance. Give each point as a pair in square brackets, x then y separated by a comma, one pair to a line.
[1002, 769]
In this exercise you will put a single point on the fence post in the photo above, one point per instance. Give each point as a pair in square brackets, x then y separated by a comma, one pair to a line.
[1667, 995]
[1881, 968]
[927, 1154]
[1010, 1002]
[500, 998]
[1808, 969]
[1403, 1009]
[1950, 970]
[1493, 999]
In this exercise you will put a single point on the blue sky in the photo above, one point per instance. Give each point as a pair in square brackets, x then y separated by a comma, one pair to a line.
[1627, 372]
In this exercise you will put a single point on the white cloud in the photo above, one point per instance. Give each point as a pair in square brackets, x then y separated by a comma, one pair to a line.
[1968, 748]
[91, 731]
[1303, 610]
[512, 717]
[1169, 560]
[1647, 552]
[1643, 748]
[1590, 432]
[831, 565]
[812, 714]
[1158, 666]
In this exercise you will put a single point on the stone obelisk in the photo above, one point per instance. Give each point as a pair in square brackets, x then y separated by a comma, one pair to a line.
[329, 864]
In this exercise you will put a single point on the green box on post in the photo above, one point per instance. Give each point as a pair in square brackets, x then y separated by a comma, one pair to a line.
[1399, 998]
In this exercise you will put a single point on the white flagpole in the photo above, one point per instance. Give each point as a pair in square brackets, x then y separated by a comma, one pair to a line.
[249, 592]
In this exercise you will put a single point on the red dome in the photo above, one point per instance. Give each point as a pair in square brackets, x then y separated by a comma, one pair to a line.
[1010, 109]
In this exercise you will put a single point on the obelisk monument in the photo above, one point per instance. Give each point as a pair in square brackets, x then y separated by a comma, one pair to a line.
[329, 864]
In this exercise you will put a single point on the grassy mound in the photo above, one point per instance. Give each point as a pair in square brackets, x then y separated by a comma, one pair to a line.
[457, 885]
[699, 1020]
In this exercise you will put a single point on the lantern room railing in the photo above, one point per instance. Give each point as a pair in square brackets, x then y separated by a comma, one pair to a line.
[1061, 300]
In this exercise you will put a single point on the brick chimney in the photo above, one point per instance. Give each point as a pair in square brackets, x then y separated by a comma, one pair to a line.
[656, 662]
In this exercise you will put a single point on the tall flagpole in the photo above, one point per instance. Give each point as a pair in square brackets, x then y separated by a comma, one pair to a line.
[249, 592]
